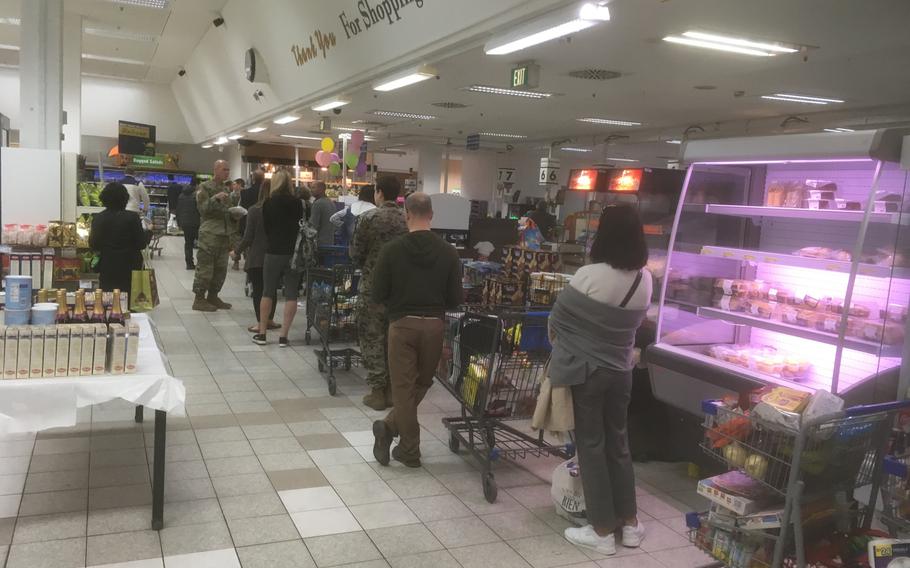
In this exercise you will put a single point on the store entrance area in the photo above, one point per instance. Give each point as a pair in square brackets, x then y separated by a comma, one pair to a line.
[268, 470]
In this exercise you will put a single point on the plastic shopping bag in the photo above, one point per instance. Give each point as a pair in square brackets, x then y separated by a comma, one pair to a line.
[172, 228]
[567, 492]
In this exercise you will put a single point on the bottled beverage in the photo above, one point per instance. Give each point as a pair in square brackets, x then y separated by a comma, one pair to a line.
[79, 313]
[63, 315]
[42, 296]
[116, 312]
[98, 311]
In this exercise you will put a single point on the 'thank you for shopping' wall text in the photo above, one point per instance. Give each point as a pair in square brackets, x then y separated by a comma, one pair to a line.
[371, 14]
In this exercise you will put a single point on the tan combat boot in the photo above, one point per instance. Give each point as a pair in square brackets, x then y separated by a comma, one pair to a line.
[200, 304]
[376, 399]
[218, 302]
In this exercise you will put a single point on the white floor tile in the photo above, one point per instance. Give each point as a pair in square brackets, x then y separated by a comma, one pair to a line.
[213, 559]
[325, 522]
[310, 499]
[150, 563]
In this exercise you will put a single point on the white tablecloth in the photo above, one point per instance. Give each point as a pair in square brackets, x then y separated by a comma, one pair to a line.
[30, 405]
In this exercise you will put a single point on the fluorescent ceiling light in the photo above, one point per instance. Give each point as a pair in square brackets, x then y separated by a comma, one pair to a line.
[346, 128]
[107, 59]
[235, 136]
[570, 149]
[207, 146]
[801, 99]
[621, 160]
[9, 47]
[255, 129]
[396, 114]
[839, 130]
[673, 141]
[487, 89]
[287, 119]
[501, 135]
[221, 140]
[548, 28]
[119, 34]
[731, 44]
[158, 4]
[336, 102]
[610, 121]
[410, 77]
[11, 21]
[296, 137]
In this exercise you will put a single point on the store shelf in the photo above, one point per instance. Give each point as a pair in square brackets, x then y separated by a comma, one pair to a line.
[809, 214]
[803, 262]
[86, 209]
[799, 331]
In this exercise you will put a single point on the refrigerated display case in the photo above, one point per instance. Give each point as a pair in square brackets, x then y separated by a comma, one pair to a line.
[788, 264]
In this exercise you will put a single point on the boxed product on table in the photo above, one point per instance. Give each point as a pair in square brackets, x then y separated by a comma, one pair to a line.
[100, 357]
[49, 362]
[23, 368]
[132, 348]
[63, 350]
[117, 344]
[11, 353]
[735, 491]
[88, 349]
[36, 369]
[75, 356]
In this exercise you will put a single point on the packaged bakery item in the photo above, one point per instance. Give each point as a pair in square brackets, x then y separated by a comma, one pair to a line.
[885, 332]
[730, 303]
[55, 234]
[806, 318]
[796, 193]
[786, 399]
[817, 204]
[827, 323]
[775, 197]
[813, 252]
[820, 194]
[821, 185]
[769, 364]
[810, 302]
[795, 368]
[761, 308]
[895, 313]
[789, 315]
[847, 205]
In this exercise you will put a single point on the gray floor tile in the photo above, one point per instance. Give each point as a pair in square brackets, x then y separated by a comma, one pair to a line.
[242, 485]
[312, 427]
[262, 530]
[334, 550]
[177, 471]
[547, 551]
[118, 458]
[6, 530]
[223, 467]
[220, 421]
[246, 506]
[408, 539]
[53, 502]
[497, 554]
[68, 553]
[235, 449]
[286, 480]
[125, 519]
[363, 492]
[11, 484]
[463, 531]
[516, 524]
[417, 486]
[188, 490]
[185, 452]
[259, 418]
[255, 432]
[123, 547]
[49, 527]
[113, 476]
[203, 537]
[121, 496]
[61, 446]
[225, 434]
[182, 513]
[291, 554]
[118, 441]
[283, 462]
[382, 515]
[438, 507]
[266, 446]
[322, 441]
[14, 449]
[436, 559]
[18, 464]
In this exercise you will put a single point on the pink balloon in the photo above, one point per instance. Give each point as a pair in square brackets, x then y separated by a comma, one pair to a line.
[353, 148]
[357, 138]
[333, 158]
[322, 158]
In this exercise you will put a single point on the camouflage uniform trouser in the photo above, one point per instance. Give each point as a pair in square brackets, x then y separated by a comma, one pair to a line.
[373, 336]
[211, 263]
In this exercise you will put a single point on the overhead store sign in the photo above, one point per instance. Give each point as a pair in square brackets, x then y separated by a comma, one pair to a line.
[549, 171]
[136, 138]
[156, 161]
[526, 76]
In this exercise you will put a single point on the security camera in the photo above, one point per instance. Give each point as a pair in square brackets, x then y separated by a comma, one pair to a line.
[218, 22]
[182, 72]
[336, 110]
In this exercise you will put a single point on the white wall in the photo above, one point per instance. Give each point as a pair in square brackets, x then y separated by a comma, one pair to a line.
[395, 162]
[9, 95]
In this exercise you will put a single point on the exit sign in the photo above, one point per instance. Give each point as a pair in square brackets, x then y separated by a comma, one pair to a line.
[525, 76]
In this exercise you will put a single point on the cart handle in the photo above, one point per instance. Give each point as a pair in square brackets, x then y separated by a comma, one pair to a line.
[895, 467]
[873, 408]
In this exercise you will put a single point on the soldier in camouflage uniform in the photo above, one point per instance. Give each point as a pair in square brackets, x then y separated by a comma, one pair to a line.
[374, 229]
[213, 199]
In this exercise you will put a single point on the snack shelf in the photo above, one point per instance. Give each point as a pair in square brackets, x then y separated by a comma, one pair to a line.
[842, 266]
[803, 332]
[799, 213]
[88, 210]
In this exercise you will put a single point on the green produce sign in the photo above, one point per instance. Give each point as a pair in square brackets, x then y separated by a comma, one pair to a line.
[155, 161]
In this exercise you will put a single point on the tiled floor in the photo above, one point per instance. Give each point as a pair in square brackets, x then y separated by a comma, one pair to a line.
[267, 470]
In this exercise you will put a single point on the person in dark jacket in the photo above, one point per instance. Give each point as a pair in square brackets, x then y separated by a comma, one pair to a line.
[118, 238]
[174, 190]
[254, 244]
[188, 221]
[250, 196]
[417, 278]
[543, 219]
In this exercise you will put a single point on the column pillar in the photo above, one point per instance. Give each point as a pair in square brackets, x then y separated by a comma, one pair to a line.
[41, 74]
[429, 169]
[72, 82]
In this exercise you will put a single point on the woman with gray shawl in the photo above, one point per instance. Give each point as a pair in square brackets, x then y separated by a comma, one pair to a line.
[593, 328]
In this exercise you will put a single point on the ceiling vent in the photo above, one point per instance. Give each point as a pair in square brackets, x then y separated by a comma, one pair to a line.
[595, 74]
[449, 105]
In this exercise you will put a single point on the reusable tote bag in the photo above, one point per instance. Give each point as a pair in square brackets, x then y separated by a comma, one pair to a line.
[144, 288]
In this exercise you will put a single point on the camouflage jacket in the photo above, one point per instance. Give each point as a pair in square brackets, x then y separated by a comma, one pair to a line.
[213, 214]
[374, 229]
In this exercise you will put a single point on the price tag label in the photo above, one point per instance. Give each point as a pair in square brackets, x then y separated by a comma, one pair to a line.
[6, 249]
[86, 284]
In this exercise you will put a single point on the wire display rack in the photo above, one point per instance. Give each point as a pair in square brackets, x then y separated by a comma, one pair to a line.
[832, 454]
[492, 364]
[330, 308]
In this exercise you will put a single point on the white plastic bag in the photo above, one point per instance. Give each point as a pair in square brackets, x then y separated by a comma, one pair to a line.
[567, 492]
[172, 228]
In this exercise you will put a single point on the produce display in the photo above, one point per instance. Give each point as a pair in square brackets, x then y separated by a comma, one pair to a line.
[90, 194]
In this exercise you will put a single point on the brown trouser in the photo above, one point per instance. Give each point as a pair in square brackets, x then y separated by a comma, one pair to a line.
[415, 345]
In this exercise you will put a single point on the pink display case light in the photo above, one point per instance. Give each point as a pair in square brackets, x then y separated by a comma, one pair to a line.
[789, 265]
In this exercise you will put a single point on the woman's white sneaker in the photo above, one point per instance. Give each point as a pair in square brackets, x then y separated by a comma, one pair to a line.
[585, 537]
[632, 536]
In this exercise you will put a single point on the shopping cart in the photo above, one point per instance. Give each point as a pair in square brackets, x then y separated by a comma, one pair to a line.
[157, 223]
[492, 364]
[896, 495]
[330, 309]
[826, 457]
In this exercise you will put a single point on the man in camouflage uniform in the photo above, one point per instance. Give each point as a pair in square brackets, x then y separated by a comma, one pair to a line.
[374, 229]
[216, 231]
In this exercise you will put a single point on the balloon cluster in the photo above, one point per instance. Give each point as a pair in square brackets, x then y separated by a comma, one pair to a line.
[356, 158]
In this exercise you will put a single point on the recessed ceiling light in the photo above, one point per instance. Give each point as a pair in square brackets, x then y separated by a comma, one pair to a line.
[549, 27]
[571, 149]
[107, 59]
[207, 146]
[406, 78]
[396, 114]
[673, 141]
[255, 129]
[296, 137]
[221, 140]
[287, 119]
[731, 44]
[235, 136]
[621, 160]
[346, 128]
[801, 99]
[158, 4]
[839, 130]
[610, 121]
[502, 135]
[9, 47]
[119, 34]
[336, 102]
[11, 21]
[489, 90]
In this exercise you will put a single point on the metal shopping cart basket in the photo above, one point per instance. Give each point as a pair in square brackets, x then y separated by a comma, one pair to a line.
[832, 455]
[896, 495]
[492, 364]
[330, 301]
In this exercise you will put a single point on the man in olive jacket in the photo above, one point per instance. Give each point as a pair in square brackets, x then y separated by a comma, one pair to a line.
[213, 198]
